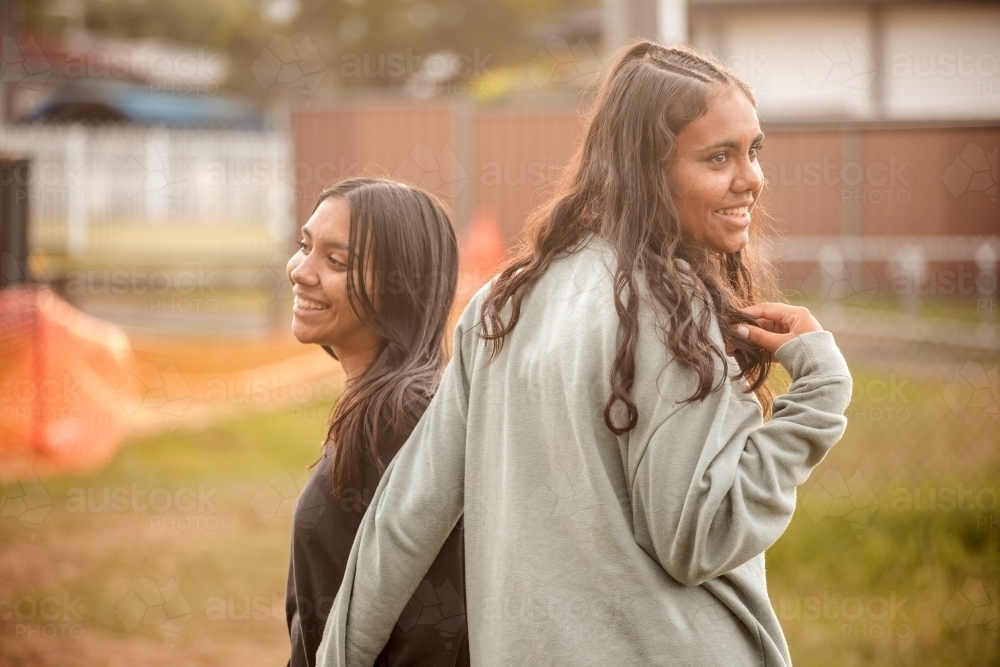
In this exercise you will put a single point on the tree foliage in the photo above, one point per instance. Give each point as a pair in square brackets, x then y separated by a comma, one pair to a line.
[331, 43]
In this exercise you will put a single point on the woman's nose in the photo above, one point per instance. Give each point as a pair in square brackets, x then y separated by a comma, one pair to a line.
[750, 178]
[299, 270]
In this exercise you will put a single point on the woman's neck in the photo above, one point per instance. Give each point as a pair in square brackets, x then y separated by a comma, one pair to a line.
[356, 362]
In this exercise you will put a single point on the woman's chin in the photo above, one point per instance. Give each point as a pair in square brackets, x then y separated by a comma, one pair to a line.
[732, 244]
[305, 335]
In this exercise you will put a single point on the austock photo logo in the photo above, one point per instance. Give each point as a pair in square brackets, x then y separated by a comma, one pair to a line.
[949, 64]
[880, 399]
[439, 172]
[291, 61]
[574, 613]
[535, 173]
[45, 617]
[868, 182]
[838, 62]
[152, 388]
[270, 284]
[874, 617]
[980, 502]
[52, 399]
[162, 606]
[182, 508]
[24, 499]
[559, 62]
[973, 170]
[164, 290]
[973, 388]
[572, 498]
[257, 608]
[834, 496]
[440, 72]
[439, 607]
[12, 270]
[277, 496]
[750, 67]
[157, 171]
[836, 280]
[23, 63]
[972, 606]
[168, 69]
[282, 493]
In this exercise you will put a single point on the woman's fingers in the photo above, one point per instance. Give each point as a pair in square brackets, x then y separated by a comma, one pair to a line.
[769, 325]
[793, 319]
[762, 338]
[777, 323]
[768, 310]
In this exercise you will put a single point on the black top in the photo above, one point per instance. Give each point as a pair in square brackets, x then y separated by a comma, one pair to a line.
[431, 630]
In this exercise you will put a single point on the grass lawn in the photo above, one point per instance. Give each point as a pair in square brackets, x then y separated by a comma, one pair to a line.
[196, 524]
[891, 559]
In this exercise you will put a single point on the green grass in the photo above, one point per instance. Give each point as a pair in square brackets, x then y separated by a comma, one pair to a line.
[972, 309]
[222, 550]
[894, 573]
[885, 594]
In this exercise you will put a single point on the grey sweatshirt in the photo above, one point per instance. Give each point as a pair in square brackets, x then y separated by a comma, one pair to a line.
[583, 547]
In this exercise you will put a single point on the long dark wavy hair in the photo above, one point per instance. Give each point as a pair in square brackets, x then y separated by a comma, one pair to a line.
[616, 186]
[402, 236]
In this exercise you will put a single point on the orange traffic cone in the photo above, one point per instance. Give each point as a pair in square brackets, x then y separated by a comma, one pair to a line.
[482, 250]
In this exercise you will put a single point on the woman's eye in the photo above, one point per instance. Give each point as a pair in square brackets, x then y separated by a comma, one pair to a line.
[336, 263]
[302, 246]
[754, 151]
[719, 158]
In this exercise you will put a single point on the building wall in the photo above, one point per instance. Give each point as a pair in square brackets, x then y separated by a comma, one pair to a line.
[519, 154]
[823, 180]
[884, 181]
[410, 141]
[933, 61]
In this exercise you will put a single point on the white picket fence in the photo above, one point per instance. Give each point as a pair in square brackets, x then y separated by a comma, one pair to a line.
[118, 189]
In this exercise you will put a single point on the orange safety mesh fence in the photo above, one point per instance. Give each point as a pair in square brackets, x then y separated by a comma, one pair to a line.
[73, 386]
[190, 383]
[59, 373]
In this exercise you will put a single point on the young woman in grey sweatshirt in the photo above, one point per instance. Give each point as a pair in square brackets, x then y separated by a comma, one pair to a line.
[605, 423]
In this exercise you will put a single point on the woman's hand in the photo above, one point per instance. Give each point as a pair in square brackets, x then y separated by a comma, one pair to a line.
[777, 323]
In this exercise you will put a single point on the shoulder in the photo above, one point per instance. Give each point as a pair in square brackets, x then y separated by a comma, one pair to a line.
[582, 273]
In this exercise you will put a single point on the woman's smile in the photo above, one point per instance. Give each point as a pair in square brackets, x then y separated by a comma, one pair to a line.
[303, 306]
[738, 216]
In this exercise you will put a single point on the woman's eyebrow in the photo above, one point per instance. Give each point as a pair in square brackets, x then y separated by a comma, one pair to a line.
[731, 143]
[332, 245]
[335, 245]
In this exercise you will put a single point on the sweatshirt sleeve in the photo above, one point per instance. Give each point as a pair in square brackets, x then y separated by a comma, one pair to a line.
[417, 503]
[712, 485]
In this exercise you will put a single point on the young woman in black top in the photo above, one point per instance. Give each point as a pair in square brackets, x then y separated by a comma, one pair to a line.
[387, 331]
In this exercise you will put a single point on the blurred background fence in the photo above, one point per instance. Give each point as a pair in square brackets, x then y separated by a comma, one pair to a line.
[101, 191]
